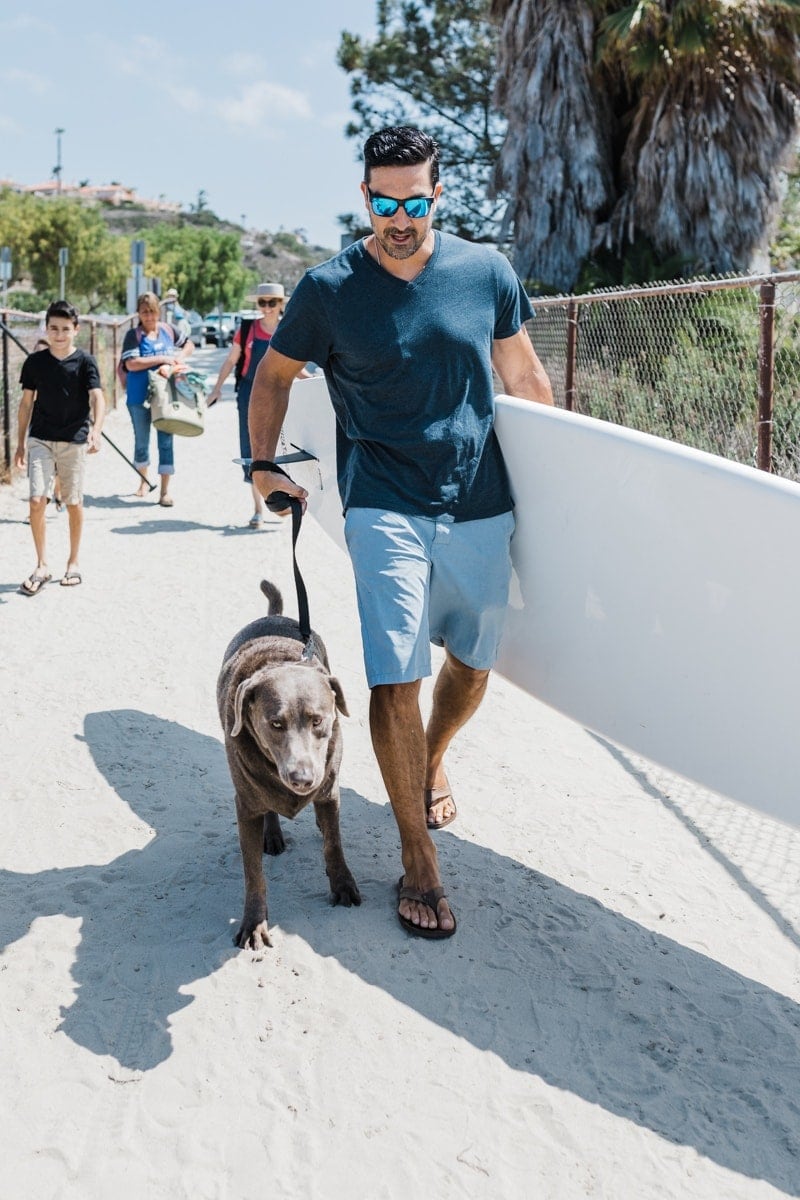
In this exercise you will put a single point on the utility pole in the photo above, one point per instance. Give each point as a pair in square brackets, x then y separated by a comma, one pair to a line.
[63, 259]
[5, 272]
[57, 167]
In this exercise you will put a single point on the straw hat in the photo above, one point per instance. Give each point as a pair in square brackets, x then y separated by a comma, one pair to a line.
[171, 294]
[268, 291]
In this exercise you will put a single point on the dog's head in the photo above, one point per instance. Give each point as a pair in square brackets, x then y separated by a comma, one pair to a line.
[290, 711]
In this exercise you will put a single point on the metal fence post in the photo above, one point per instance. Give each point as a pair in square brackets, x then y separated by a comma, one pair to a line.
[766, 373]
[572, 354]
[6, 399]
[114, 392]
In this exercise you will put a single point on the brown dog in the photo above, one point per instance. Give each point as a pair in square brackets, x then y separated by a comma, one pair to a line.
[282, 739]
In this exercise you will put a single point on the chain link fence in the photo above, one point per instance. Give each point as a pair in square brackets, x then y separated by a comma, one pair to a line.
[710, 363]
[19, 333]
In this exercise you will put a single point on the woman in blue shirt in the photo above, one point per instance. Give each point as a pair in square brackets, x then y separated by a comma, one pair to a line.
[151, 346]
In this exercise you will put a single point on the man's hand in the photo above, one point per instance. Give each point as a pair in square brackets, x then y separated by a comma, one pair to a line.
[19, 458]
[268, 482]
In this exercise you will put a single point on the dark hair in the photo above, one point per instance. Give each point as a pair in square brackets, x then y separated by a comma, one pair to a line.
[62, 308]
[401, 146]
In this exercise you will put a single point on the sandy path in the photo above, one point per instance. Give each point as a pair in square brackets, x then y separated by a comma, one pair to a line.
[618, 1015]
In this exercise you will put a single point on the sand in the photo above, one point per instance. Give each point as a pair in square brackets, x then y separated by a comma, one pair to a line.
[617, 1016]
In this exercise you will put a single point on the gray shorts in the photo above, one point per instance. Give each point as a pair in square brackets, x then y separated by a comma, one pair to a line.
[421, 580]
[67, 458]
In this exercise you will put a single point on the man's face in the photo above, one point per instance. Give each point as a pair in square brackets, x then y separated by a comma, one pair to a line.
[400, 236]
[60, 334]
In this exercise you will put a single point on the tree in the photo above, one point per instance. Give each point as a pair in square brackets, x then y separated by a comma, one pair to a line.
[203, 264]
[432, 65]
[663, 119]
[36, 229]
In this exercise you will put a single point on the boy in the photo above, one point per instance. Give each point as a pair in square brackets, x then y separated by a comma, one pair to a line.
[64, 405]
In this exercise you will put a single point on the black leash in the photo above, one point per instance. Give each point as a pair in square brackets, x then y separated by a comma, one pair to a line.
[279, 502]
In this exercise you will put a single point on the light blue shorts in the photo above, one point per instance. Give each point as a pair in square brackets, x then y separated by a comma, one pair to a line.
[421, 580]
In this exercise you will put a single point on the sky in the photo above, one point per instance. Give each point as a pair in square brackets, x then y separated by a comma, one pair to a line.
[242, 101]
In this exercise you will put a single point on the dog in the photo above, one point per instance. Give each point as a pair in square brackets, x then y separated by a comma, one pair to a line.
[279, 705]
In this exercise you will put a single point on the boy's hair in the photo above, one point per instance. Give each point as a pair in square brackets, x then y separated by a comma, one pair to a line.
[62, 308]
[401, 146]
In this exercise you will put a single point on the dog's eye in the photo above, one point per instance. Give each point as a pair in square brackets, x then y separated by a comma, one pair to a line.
[316, 721]
[276, 724]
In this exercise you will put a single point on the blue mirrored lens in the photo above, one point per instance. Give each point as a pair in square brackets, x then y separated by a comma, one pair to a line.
[382, 206]
[385, 206]
[420, 206]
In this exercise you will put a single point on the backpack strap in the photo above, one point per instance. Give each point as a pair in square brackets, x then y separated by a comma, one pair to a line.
[245, 325]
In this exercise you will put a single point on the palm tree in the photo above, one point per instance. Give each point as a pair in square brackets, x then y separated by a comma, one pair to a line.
[555, 161]
[684, 109]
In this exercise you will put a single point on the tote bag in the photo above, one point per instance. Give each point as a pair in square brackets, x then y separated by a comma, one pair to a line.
[178, 404]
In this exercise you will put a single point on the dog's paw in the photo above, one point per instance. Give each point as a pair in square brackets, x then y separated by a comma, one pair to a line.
[253, 938]
[274, 843]
[344, 890]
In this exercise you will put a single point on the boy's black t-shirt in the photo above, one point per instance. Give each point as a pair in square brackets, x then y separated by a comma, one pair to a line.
[61, 412]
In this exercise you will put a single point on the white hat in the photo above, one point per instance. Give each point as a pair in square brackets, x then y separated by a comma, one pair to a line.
[171, 294]
[272, 291]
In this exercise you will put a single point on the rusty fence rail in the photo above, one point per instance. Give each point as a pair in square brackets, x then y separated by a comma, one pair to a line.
[19, 332]
[710, 363]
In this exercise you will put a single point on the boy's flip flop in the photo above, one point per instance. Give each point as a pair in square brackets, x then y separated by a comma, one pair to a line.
[431, 898]
[34, 584]
[71, 579]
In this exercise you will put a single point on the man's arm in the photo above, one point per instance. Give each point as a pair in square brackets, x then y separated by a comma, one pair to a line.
[23, 421]
[98, 404]
[269, 400]
[519, 368]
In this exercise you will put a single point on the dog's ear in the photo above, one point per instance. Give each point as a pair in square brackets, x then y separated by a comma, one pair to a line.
[336, 688]
[239, 701]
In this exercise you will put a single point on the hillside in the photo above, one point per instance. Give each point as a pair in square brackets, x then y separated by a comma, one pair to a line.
[281, 257]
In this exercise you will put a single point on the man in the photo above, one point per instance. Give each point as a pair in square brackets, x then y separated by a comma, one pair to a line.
[406, 324]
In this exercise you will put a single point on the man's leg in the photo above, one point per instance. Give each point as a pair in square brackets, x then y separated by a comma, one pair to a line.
[457, 694]
[398, 739]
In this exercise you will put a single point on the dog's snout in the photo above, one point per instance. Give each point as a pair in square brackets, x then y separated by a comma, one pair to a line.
[302, 777]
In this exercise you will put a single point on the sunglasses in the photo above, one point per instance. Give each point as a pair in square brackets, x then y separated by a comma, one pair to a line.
[268, 303]
[416, 207]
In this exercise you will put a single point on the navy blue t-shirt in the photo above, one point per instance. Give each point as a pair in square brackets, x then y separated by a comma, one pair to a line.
[408, 366]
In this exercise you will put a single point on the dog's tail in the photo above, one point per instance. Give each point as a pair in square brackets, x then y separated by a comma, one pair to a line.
[274, 597]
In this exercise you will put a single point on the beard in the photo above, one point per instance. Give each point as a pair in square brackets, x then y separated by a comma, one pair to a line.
[404, 249]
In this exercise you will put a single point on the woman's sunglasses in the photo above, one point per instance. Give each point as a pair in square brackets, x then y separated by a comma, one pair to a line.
[416, 207]
[268, 303]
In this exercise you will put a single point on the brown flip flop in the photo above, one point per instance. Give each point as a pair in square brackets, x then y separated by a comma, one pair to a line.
[433, 796]
[431, 898]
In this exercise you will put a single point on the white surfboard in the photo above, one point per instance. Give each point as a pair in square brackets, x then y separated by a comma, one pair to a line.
[656, 591]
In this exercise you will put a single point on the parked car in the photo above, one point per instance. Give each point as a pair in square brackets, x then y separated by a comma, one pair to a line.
[196, 326]
[219, 335]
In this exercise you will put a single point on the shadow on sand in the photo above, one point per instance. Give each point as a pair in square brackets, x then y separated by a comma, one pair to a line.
[546, 978]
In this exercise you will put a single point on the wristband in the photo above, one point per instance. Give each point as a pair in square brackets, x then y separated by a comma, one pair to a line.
[261, 464]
